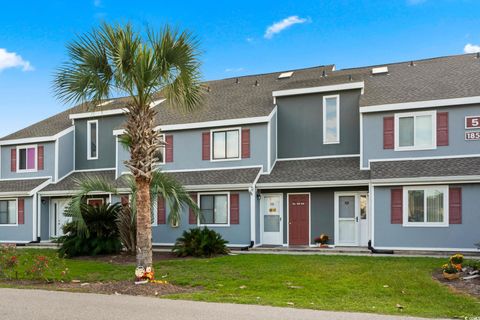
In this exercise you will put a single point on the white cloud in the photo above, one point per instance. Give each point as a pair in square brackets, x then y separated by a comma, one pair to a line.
[279, 26]
[13, 60]
[249, 39]
[234, 69]
[471, 48]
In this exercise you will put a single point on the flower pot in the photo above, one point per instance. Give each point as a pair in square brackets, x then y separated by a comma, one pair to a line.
[451, 276]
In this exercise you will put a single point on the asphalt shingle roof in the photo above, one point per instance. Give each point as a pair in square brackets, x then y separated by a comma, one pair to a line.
[70, 183]
[216, 177]
[25, 185]
[425, 168]
[313, 170]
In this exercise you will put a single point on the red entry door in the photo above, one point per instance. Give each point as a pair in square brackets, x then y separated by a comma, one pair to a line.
[298, 215]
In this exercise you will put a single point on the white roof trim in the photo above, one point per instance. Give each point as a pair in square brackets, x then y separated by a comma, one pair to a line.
[420, 104]
[334, 87]
[310, 184]
[423, 180]
[220, 187]
[37, 139]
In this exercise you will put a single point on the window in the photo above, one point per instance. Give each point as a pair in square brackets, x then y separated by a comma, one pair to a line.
[92, 139]
[214, 209]
[415, 131]
[331, 119]
[8, 212]
[160, 154]
[27, 159]
[95, 202]
[226, 144]
[425, 206]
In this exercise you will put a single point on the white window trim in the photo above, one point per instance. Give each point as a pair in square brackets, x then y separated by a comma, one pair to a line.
[89, 199]
[16, 207]
[212, 147]
[445, 222]
[162, 138]
[36, 158]
[337, 140]
[433, 114]
[89, 140]
[227, 193]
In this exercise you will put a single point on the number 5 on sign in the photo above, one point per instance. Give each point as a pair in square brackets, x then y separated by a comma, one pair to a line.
[472, 122]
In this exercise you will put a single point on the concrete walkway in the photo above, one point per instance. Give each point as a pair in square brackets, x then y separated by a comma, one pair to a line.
[52, 305]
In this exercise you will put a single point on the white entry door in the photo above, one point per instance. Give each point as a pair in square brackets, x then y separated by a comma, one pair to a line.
[57, 218]
[271, 219]
[351, 219]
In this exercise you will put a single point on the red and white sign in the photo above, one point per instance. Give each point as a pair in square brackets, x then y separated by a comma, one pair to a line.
[472, 122]
[472, 135]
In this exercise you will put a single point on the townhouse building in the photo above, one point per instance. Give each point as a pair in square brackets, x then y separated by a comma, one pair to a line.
[388, 154]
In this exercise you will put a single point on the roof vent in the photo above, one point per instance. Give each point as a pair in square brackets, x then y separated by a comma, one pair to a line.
[412, 64]
[350, 77]
[104, 103]
[478, 55]
[380, 70]
[324, 73]
[285, 75]
[208, 89]
[237, 81]
[256, 83]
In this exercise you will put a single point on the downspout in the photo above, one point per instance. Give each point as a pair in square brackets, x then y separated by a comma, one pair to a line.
[373, 250]
[253, 217]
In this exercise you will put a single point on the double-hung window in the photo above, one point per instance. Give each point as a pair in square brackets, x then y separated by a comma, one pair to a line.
[27, 159]
[415, 131]
[331, 119]
[214, 209]
[8, 212]
[92, 139]
[425, 206]
[226, 144]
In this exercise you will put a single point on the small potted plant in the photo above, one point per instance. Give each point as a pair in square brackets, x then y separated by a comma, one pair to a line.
[457, 261]
[321, 241]
[450, 271]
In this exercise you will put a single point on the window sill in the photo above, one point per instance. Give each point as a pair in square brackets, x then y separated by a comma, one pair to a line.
[426, 225]
[27, 171]
[9, 225]
[336, 142]
[221, 160]
[414, 148]
[214, 225]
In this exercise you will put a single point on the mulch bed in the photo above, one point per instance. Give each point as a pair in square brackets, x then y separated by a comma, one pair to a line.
[470, 287]
[124, 258]
[110, 287]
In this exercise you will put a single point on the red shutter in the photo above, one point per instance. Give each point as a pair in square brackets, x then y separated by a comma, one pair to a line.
[13, 160]
[397, 206]
[161, 212]
[234, 208]
[40, 157]
[245, 143]
[21, 211]
[388, 132]
[169, 148]
[192, 217]
[442, 129]
[455, 205]
[206, 145]
[124, 200]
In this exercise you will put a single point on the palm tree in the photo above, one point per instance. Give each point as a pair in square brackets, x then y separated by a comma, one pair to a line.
[116, 60]
[162, 184]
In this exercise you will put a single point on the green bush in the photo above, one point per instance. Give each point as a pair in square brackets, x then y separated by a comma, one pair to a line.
[101, 236]
[200, 242]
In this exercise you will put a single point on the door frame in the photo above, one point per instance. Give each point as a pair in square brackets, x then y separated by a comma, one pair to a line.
[263, 207]
[51, 222]
[309, 216]
[357, 195]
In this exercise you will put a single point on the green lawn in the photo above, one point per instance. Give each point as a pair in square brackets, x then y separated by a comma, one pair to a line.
[346, 283]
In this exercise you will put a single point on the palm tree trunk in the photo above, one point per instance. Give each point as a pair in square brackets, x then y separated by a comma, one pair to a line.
[144, 224]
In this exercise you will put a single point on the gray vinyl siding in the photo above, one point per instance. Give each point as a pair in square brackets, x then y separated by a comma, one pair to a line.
[106, 142]
[322, 210]
[273, 138]
[66, 154]
[49, 162]
[187, 150]
[373, 136]
[45, 218]
[22, 232]
[234, 234]
[300, 125]
[460, 236]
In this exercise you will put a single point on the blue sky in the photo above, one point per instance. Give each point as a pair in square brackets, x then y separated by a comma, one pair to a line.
[237, 38]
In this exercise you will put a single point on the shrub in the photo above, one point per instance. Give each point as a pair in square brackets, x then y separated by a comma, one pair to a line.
[8, 261]
[39, 267]
[200, 242]
[102, 235]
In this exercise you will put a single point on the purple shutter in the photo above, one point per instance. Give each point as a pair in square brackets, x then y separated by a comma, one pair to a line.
[169, 148]
[245, 143]
[396, 206]
[192, 217]
[206, 145]
[161, 212]
[455, 205]
[442, 128]
[388, 132]
[234, 208]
